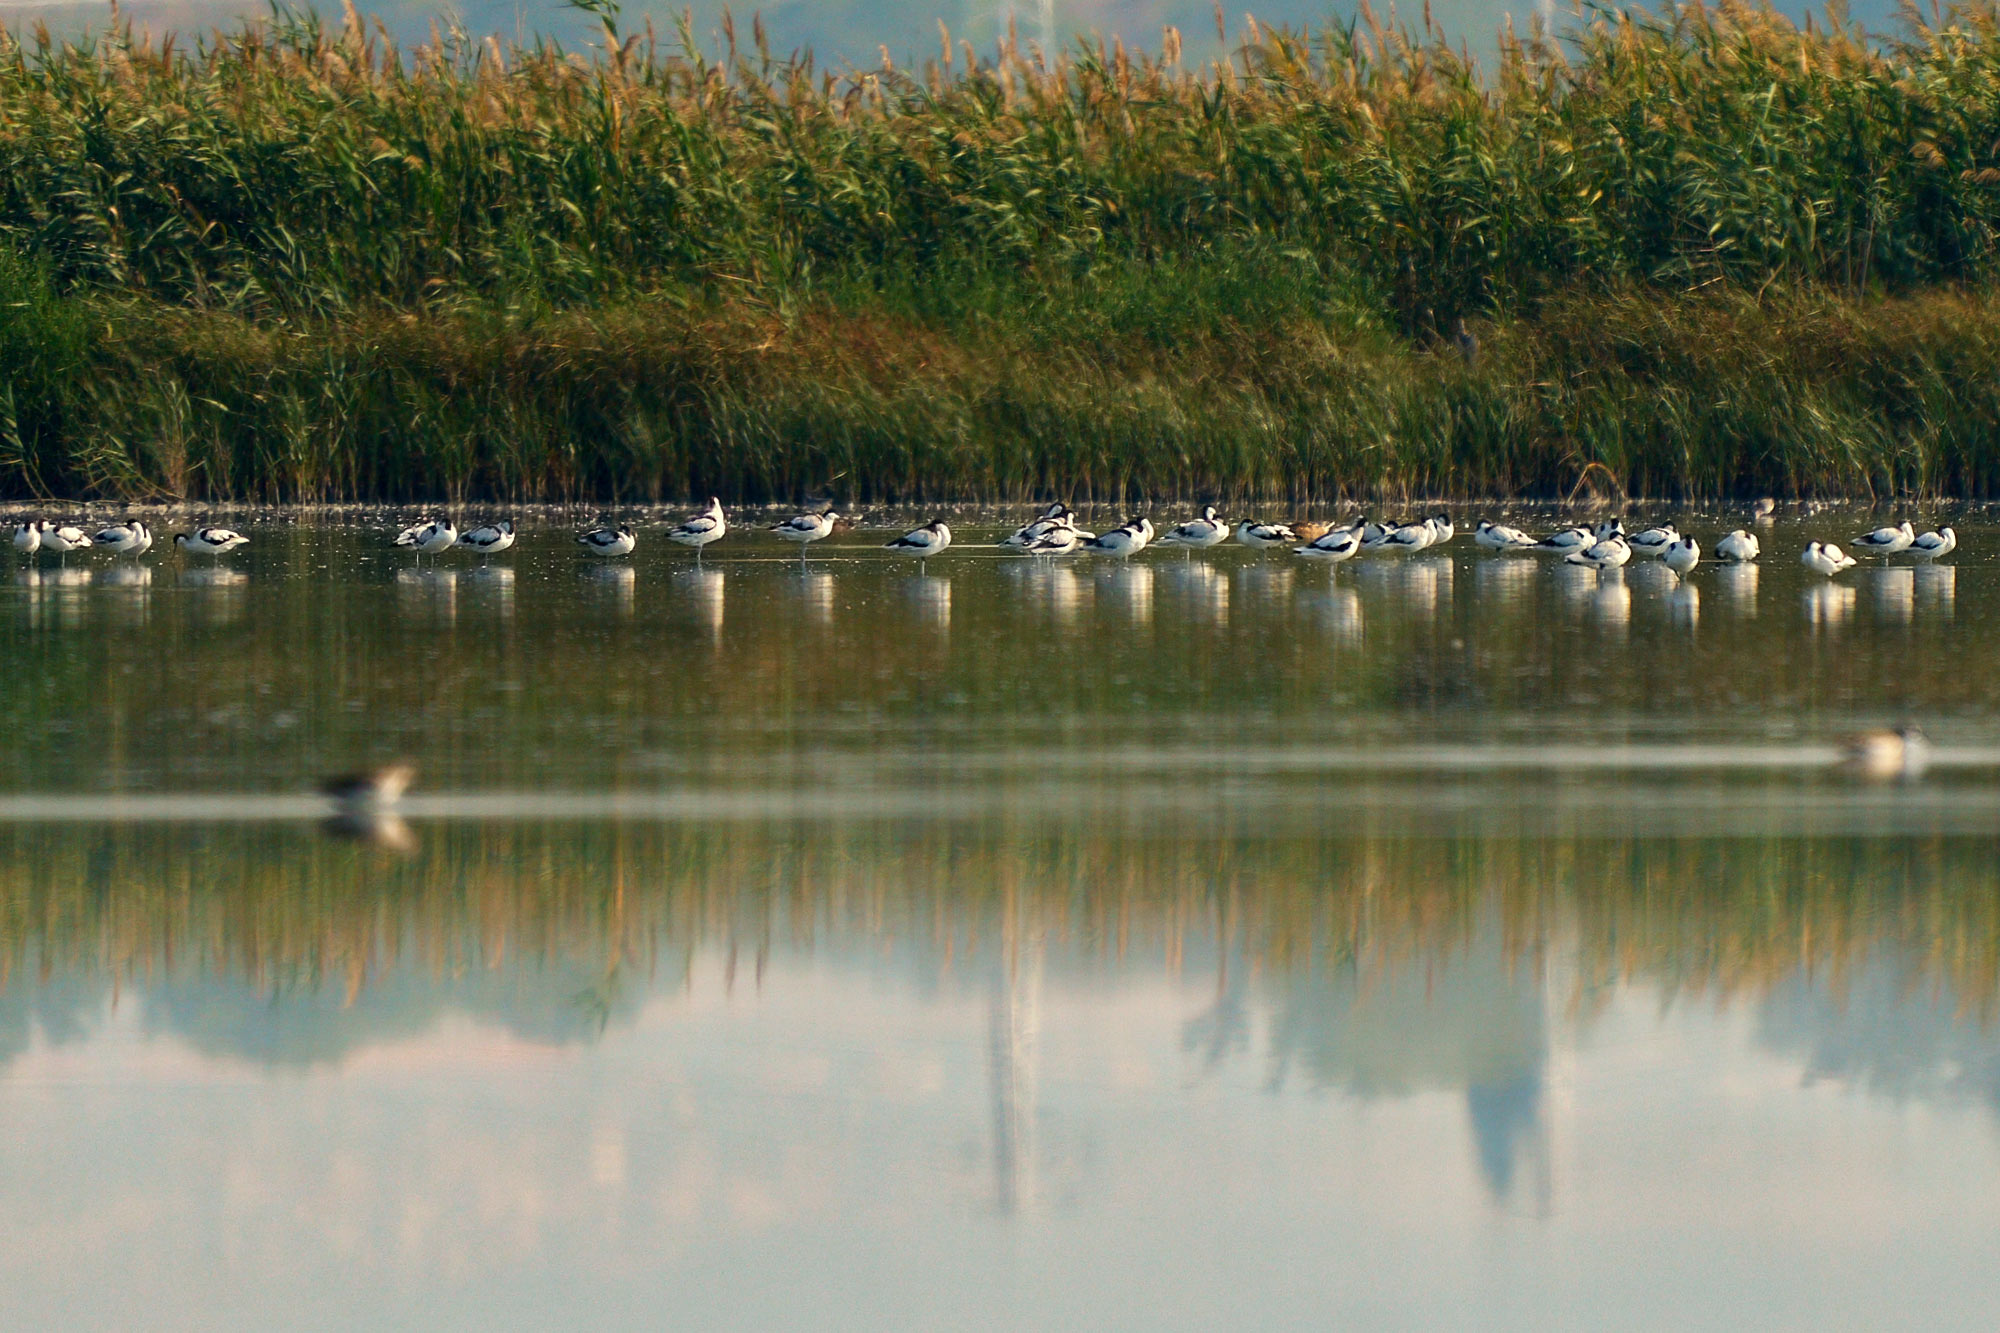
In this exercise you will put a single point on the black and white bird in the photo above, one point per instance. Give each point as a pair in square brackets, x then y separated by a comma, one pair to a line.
[64, 538]
[1607, 528]
[1498, 537]
[608, 542]
[1887, 541]
[1060, 540]
[1826, 558]
[707, 526]
[1408, 537]
[490, 539]
[924, 542]
[1198, 534]
[1263, 536]
[1338, 545]
[1057, 515]
[1933, 545]
[216, 542]
[440, 534]
[807, 528]
[129, 538]
[1442, 528]
[1653, 542]
[28, 537]
[1123, 542]
[1683, 555]
[1607, 554]
[1566, 541]
[1739, 547]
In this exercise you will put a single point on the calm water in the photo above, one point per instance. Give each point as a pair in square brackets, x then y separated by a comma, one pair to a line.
[1442, 941]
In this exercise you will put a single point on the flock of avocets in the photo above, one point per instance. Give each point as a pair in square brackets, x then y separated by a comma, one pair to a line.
[1055, 534]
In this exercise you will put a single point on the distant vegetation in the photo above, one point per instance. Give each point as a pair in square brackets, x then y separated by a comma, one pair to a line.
[1711, 252]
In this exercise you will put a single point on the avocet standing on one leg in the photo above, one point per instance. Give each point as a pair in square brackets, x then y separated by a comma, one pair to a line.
[1739, 547]
[489, 540]
[707, 526]
[440, 534]
[28, 537]
[1887, 541]
[1198, 534]
[608, 542]
[1826, 558]
[131, 538]
[64, 538]
[1123, 542]
[1683, 555]
[212, 542]
[923, 543]
[805, 529]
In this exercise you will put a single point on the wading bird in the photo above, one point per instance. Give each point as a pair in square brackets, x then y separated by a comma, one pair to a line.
[707, 526]
[489, 540]
[213, 542]
[1826, 558]
[805, 529]
[608, 542]
[1739, 547]
[923, 543]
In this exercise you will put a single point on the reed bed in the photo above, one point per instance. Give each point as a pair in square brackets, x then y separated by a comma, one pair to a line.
[1706, 250]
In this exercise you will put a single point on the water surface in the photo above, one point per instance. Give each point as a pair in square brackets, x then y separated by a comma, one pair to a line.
[1437, 941]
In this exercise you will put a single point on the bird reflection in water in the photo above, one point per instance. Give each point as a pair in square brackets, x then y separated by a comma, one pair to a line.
[1936, 587]
[1684, 606]
[1338, 610]
[1736, 585]
[428, 594]
[1131, 586]
[618, 583]
[1895, 594]
[1266, 581]
[1203, 593]
[705, 589]
[1505, 580]
[1058, 588]
[492, 588]
[365, 807]
[1611, 604]
[221, 593]
[816, 588]
[931, 599]
[1829, 605]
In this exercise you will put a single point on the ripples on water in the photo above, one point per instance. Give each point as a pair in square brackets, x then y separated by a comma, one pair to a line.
[1440, 940]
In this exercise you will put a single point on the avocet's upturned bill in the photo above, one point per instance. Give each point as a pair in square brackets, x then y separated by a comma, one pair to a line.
[805, 529]
[216, 542]
[1683, 555]
[1607, 554]
[924, 542]
[1826, 558]
[28, 537]
[64, 538]
[1887, 541]
[1055, 516]
[707, 526]
[1933, 545]
[440, 534]
[1336, 546]
[489, 540]
[1739, 547]
[1198, 534]
[1263, 536]
[608, 542]
[131, 538]
[1652, 544]
[1499, 537]
[1566, 542]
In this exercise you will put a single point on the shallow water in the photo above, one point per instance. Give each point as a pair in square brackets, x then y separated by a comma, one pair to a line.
[1436, 941]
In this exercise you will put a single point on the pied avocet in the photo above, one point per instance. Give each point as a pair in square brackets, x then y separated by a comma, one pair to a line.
[707, 526]
[1826, 558]
[1198, 533]
[1336, 546]
[128, 538]
[1607, 554]
[1055, 516]
[1442, 528]
[64, 538]
[1566, 541]
[1739, 547]
[924, 542]
[1931, 545]
[1608, 528]
[28, 537]
[440, 534]
[1265, 535]
[210, 541]
[490, 539]
[608, 542]
[1062, 540]
[1887, 541]
[1900, 752]
[805, 529]
[1653, 542]
[1409, 537]
[1499, 537]
[1683, 555]
[1124, 542]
